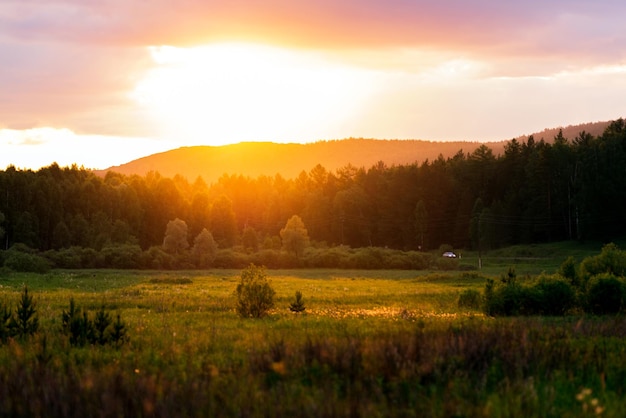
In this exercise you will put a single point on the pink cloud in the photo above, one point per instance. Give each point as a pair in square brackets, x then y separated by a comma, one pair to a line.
[73, 62]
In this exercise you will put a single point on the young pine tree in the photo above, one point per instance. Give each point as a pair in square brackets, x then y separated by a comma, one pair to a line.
[26, 321]
[5, 323]
[297, 306]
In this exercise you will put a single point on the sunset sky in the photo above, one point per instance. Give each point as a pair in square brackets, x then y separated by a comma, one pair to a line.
[102, 82]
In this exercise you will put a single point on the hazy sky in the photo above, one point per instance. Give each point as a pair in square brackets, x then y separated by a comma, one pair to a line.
[101, 82]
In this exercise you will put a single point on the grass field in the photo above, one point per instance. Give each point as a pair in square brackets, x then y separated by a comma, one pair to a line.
[371, 343]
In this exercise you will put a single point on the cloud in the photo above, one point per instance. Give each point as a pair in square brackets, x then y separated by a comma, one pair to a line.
[75, 63]
[40, 147]
[505, 27]
[52, 84]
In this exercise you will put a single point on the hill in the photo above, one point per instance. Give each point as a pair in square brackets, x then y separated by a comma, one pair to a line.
[289, 160]
[570, 132]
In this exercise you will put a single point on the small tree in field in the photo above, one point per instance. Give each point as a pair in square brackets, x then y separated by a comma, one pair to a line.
[297, 306]
[255, 295]
[26, 321]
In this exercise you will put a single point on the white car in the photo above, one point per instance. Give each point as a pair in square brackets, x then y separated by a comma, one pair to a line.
[449, 254]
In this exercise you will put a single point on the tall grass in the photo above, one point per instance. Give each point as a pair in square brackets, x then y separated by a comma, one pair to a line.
[383, 344]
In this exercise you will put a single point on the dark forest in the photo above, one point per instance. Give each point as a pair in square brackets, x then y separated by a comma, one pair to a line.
[535, 191]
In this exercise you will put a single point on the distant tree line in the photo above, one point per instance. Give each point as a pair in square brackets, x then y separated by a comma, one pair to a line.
[536, 191]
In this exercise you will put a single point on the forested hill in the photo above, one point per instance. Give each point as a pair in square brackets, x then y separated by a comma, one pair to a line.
[253, 159]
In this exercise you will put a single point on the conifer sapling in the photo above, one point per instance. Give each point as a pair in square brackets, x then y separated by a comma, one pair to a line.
[298, 305]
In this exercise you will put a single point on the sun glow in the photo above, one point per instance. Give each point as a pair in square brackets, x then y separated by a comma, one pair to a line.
[233, 92]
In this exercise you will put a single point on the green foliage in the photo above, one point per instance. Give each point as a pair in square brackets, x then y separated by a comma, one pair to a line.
[5, 323]
[101, 330]
[204, 249]
[250, 239]
[611, 260]
[470, 298]
[414, 354]
[295, 236]
[555, 296]
[2, 218]
[548, 295]
[605, 294]
[24, 260]
[175, 240]
[568, 270]
[531, 191]
[255, 295]
[76, 325]
[297, 306]
[122, 256]
[25, 322]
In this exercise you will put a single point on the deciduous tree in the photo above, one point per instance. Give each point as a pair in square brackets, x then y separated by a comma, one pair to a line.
[294, 235]
[204, 249]
[175, 240]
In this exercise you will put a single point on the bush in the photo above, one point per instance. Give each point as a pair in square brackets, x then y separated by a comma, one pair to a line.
[549, 295]
[469, 298]
[611, 260]
[605, 295]
[228, 258]
[510, 298]
[25, 262]
[568, 270]
[255, 295]
[122, 256]
[555, 296]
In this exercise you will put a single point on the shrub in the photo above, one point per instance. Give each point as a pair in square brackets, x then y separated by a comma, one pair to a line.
[122, 256]
[25, 262]
[509, 298]
[556, 296]
[469, 298]
[447, 264]
[227, 258]
[255, 295]
[568, 270]
[611, 260]
[605, 295]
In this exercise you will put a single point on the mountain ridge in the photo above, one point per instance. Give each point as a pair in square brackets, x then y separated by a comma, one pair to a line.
[255, 159]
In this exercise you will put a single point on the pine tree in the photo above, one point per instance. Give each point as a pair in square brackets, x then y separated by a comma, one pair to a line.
[298, 305]
[26, 321]
[5, 323]
[118, 334]
[101, 324]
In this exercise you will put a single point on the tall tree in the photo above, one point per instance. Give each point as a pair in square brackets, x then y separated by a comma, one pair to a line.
[204, 249]
[294, 235]
[175, 240]
[223, 222]
[421, 223]
[1, 228]
[476, 228]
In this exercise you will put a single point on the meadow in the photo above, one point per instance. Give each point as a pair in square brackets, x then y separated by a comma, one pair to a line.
[370, 343]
